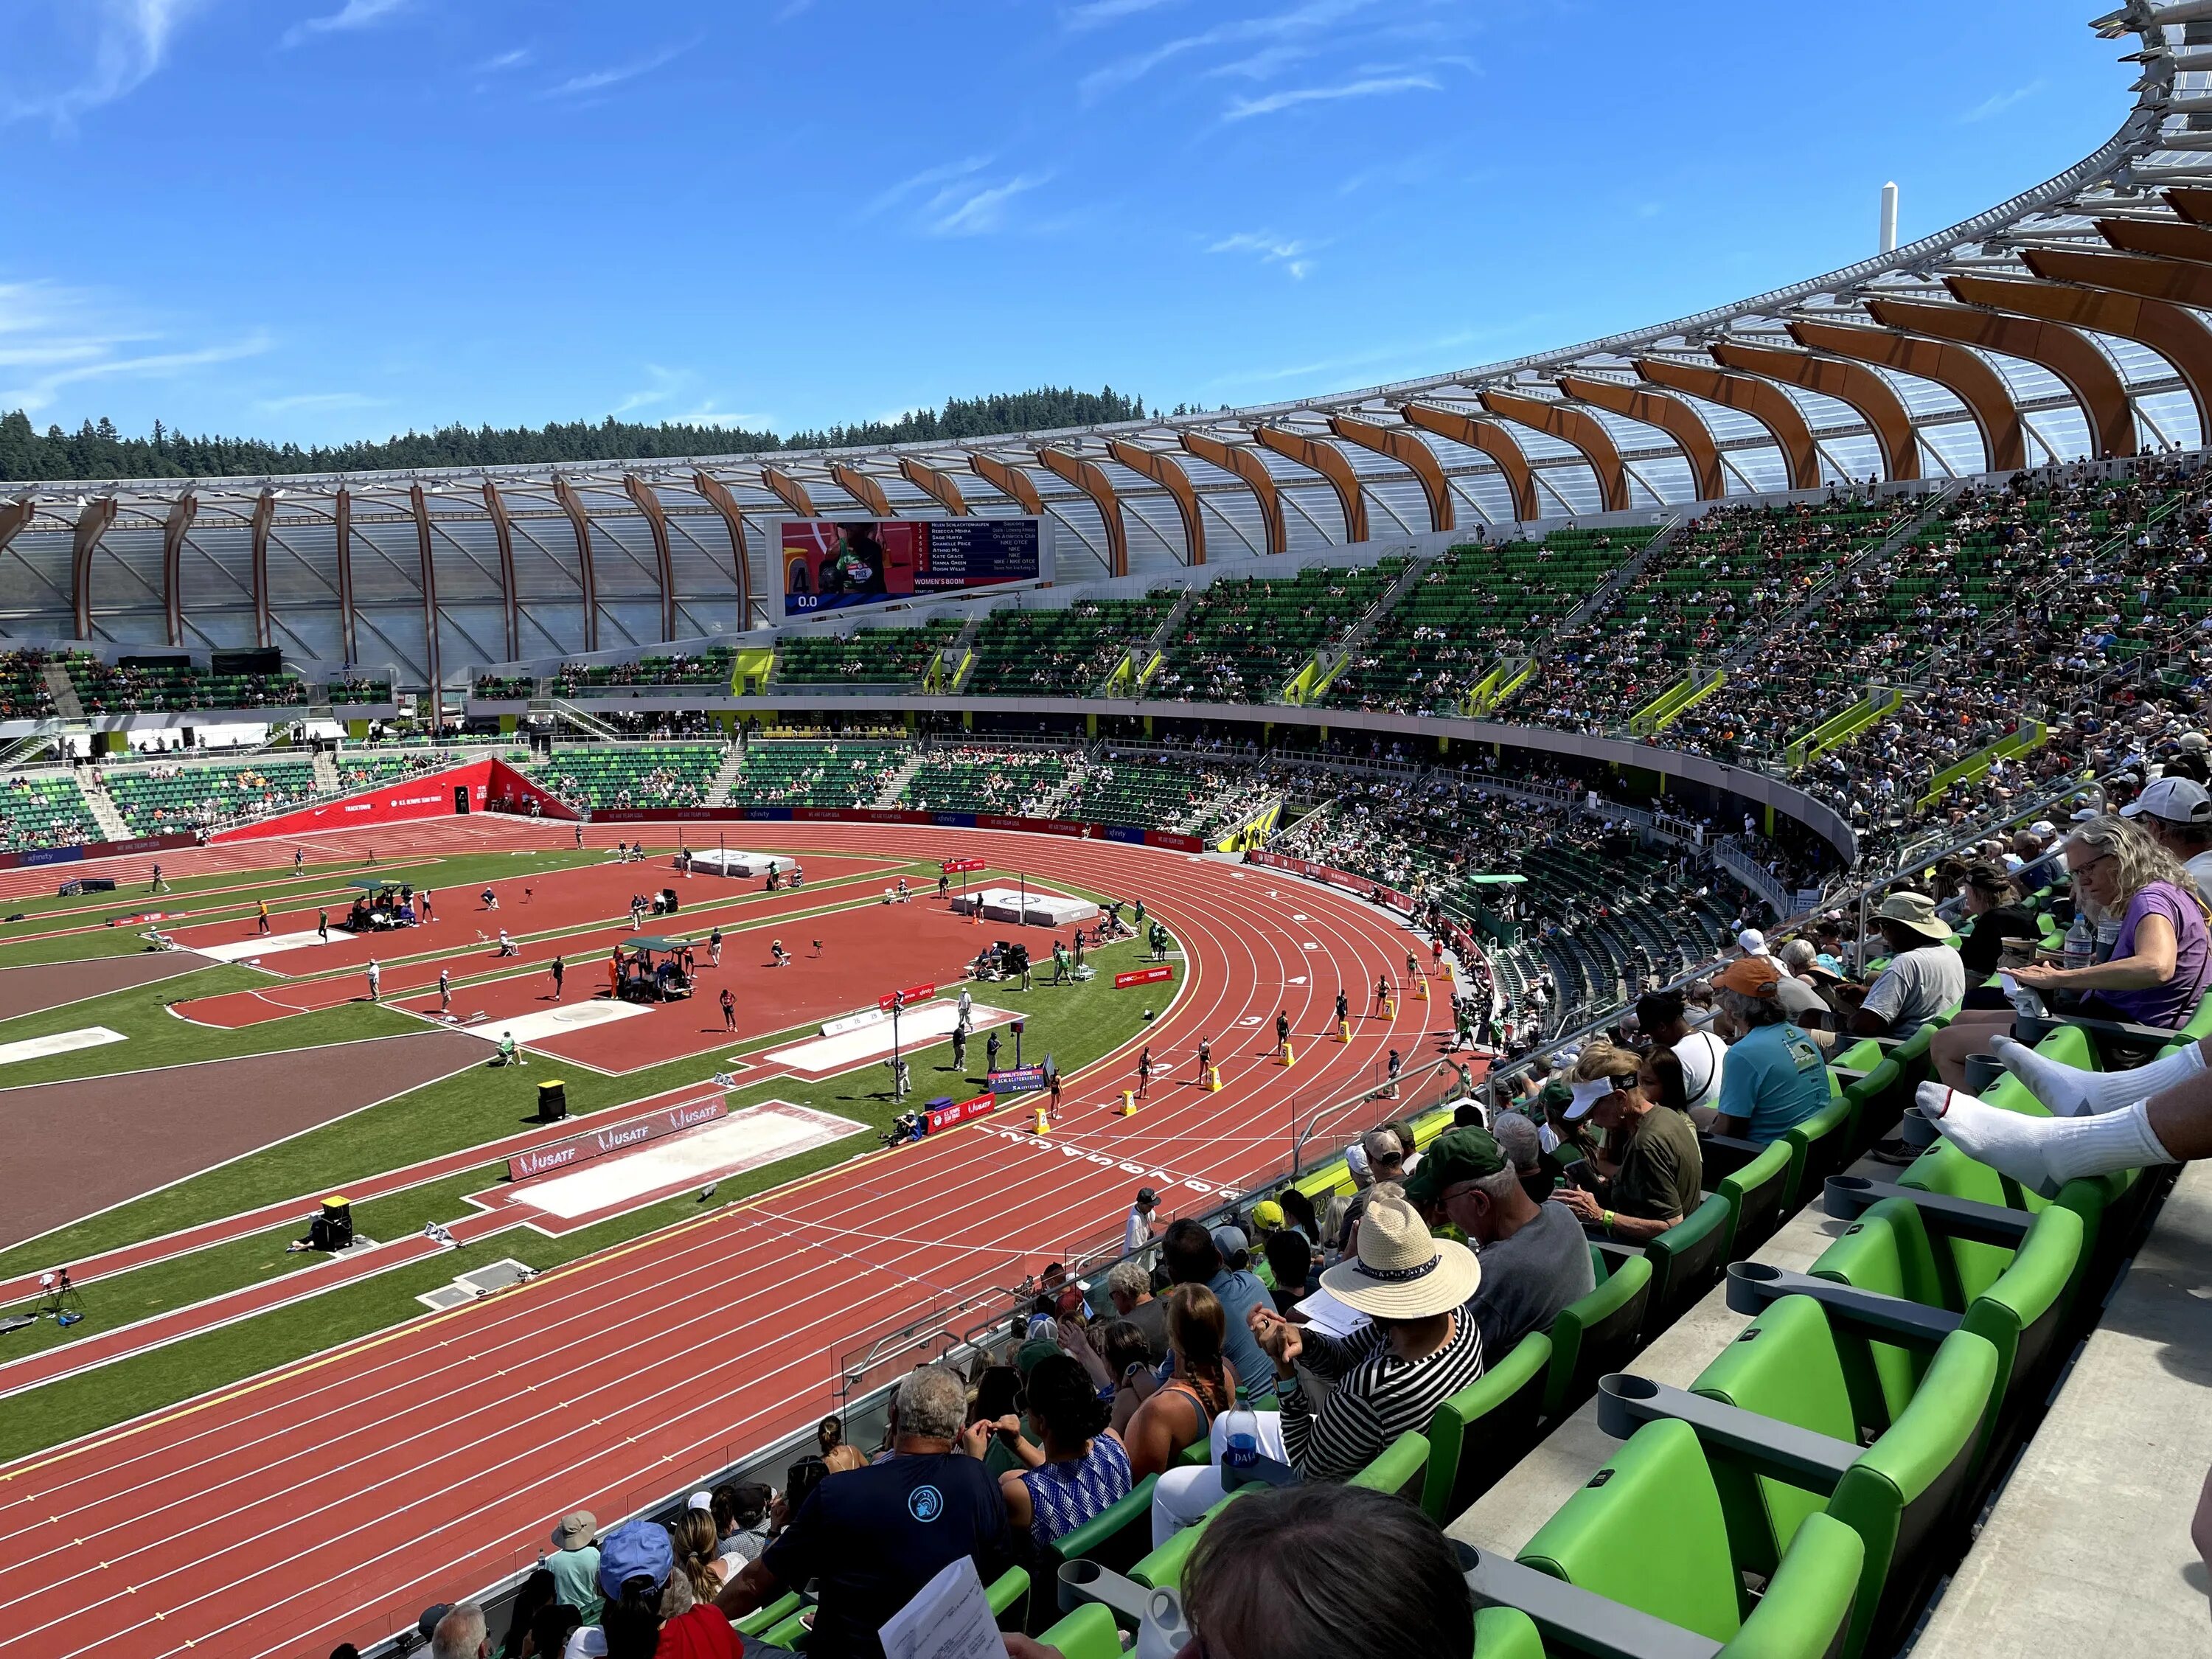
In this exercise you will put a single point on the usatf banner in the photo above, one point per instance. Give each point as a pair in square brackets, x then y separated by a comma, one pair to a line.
[615, 1138]
[945, 1117]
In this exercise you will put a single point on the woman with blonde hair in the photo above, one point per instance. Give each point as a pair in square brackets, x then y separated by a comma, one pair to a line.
[2160, 965]
[1201, 1383]
[699, 1554]
[1658, 1168]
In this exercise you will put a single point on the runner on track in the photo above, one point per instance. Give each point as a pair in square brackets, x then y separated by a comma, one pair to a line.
[729, 1011]
[323, 926]
[1205, 1058]
[1145, 1073]
[560, 971]
[444, 992]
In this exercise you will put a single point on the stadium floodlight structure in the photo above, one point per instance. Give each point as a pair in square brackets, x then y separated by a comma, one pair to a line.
[2064, 322]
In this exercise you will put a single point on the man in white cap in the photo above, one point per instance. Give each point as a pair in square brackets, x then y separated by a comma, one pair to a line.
[1420, 1347]
[2177, 813]
[1751, 942]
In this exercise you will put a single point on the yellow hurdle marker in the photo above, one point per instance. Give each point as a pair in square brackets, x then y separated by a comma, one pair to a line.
[1289, 1055]
[1213, 1078]
[1129, 1103]
[1389, 1008]
[1042, 1127]
[1344, 1030]
[1420, 990]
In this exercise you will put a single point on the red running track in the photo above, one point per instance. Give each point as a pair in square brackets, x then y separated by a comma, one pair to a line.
[331, 1500]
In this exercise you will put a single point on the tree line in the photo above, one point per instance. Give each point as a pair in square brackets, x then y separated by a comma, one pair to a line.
[97, 450]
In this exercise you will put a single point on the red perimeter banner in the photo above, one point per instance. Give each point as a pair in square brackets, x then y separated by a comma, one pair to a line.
[492, 786]
[961, 866]
[1333, 877]
[908, 998]
[615, 1138]
[945, 1116]
[1143, 976]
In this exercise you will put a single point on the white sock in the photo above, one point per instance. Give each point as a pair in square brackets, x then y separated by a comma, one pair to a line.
[2069, 1091]
[2044, 1153]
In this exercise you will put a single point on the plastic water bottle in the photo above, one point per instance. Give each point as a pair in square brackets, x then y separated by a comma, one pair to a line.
[2081, 942]
[2108, 939]
[1239, 1452]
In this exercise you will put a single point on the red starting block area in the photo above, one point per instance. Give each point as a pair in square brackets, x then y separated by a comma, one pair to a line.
[839, 939]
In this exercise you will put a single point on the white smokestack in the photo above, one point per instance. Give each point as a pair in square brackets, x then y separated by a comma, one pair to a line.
[1889, 218]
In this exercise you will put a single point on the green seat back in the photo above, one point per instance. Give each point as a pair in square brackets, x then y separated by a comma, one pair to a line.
[1888, 1251]
[1596, 1333]
[1648, 1532]
[1807, 1604]
[1755, 1194]
[1820, 1146]
[1686, 1260]
[774, 1613]
[1502, 1633]
[1163, 1568]
[1089, 1632]
[1482, 1430]
[1401, 1470]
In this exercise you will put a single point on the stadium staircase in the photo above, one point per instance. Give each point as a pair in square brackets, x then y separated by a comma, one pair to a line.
[1506, 676]
[327, 782]
[63, 690]
[101, 805]
[1328, 662]
[1144, 662]
[1614, 586]
[1824, 595]
[887, 798]
[726, 777]
[589, 723]
[958, 661]
[1840, 729]
[2027, 735]
[1677, 700]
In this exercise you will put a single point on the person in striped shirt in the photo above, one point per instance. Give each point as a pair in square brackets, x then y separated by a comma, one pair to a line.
[1420, 1347]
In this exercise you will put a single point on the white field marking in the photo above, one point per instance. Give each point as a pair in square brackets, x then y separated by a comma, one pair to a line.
[926, 1023]
[555, 1022]
[58, 1042]
[730, 1145]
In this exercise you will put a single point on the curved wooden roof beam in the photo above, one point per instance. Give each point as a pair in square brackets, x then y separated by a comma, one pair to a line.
[2160, 239]
[1401, 445]
[1327, 460]
[788, 490]
[1492, 440]
[1008, 480]
[716, 495]
[1242, 464]
[13, 515]
[2179, 336]
[174, 528]
[1091, 478]
[862, 488]
[342, 528]
[1578, 429]
[588, 574]
[935, 483]
[2192, 204]
[265, 513]
[2182, 282]
[1168, 475]
[2086, 371]
[502, 530]
[1956, 369]
[1670, 415]
[421, 507]
[656, 521]
[91, 524]
[1873, 397]
[1784, 422]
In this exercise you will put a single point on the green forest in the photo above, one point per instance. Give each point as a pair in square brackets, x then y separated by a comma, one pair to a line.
[97, 450]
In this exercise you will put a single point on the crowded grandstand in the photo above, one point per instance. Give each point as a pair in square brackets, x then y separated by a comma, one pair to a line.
[1557, 1010]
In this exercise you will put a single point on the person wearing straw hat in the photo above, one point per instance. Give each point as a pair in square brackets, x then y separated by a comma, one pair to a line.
[1925, 975]
[1420, 1347]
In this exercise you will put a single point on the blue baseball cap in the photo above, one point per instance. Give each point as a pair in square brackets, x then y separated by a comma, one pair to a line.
[636, 1549]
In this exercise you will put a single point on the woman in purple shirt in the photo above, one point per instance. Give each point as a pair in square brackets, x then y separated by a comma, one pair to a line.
[2157, 971]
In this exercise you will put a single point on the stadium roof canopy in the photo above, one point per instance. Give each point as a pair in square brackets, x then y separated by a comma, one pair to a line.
[2066, 322]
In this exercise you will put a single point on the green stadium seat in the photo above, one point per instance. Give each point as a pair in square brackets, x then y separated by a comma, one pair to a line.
[1686, 1260]
[1756, 1195]
[1485, 1429]
[1596, 1333]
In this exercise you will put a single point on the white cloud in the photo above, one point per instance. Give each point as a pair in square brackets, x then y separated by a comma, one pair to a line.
[1095, 13]
[80, 54]
[1312, 18]
[319, 401]
[599, 79]
[354, 14]
[52, 339]
[518, 58]
[1998, 104]
[962, 212]
[1294, 257]
[945, 173]
[1244, 109]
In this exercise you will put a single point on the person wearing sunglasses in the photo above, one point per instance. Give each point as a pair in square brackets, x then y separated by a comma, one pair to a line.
[1659, 1170]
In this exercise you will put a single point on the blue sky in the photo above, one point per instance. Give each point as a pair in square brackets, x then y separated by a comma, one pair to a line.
[330, 219]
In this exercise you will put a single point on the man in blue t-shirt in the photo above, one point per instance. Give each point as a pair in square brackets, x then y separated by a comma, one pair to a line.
[1775, 1077]
[870, 1537]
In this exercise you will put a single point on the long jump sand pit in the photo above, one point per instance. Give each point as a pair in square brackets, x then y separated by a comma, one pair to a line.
[731, 1146]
